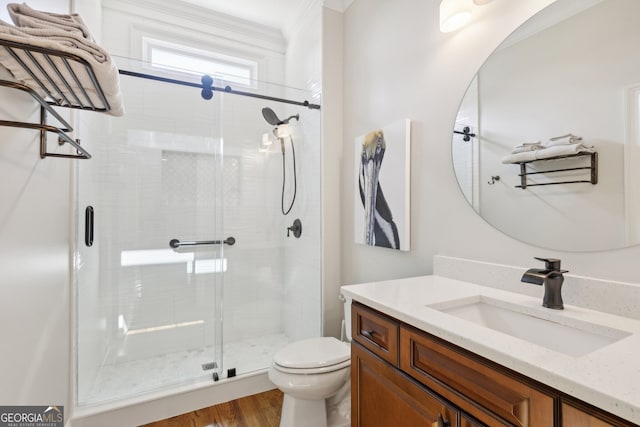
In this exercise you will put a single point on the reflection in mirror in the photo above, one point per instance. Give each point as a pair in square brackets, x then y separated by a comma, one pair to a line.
[571, 69]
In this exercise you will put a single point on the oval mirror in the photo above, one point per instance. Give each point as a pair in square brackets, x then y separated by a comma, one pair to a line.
[551, 150]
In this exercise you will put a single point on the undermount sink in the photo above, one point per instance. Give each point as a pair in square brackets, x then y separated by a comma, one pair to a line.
[540, 326]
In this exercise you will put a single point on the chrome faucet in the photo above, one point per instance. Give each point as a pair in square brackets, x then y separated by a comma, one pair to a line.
[552, 278]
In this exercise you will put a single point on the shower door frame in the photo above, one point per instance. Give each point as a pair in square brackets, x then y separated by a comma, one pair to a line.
[208, 92]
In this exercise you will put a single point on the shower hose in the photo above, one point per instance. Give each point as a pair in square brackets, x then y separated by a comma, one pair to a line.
[284, 177]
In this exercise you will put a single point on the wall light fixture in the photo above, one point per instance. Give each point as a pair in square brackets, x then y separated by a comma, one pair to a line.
[454, 14]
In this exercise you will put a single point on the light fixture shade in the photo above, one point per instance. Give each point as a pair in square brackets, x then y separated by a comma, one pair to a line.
[454, 14]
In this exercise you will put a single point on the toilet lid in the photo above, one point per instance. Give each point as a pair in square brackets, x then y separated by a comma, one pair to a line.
[313, 353]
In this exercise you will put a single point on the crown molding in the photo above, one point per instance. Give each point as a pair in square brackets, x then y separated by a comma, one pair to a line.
[215, 22]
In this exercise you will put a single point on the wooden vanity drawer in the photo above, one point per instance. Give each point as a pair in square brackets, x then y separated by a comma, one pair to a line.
[577, 414]
[382, 396]
[376, 332]
[482, 388]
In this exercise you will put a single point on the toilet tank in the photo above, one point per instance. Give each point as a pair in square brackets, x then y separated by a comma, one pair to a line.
[346, 302]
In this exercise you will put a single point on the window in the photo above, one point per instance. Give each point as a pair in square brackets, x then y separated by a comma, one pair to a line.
[189, 60]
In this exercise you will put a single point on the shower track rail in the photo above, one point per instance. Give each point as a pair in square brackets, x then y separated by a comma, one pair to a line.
[208, 88]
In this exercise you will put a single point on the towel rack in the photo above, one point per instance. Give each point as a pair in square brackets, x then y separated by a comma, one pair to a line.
[592, 168]
[61, 88]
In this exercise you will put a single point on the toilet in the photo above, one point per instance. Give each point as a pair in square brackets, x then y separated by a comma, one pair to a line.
[314, 375]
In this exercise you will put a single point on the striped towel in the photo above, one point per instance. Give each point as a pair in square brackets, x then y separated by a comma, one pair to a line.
[24, 16]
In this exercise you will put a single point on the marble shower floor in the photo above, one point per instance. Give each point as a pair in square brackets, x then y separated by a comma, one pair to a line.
[122, 380]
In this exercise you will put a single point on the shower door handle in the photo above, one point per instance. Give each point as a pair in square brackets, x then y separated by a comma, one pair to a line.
[175, 243]
[88, 226]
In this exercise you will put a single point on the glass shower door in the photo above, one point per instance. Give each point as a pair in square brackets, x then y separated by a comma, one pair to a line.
[149, 287]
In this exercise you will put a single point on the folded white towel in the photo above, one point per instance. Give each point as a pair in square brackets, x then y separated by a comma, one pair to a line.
[526, 156]
[563, 140]
[563, 150]
[527, 146]
[547, 153]
[24, 16]
[68, 42]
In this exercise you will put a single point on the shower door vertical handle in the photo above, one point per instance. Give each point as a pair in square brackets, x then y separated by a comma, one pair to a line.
[88, 226]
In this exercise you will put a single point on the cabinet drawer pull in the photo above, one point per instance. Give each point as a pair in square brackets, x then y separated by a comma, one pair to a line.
[441, 422]
[367, 334]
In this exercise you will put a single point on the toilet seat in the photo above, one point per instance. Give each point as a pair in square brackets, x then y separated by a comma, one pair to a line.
[312, 371]
[313, 356]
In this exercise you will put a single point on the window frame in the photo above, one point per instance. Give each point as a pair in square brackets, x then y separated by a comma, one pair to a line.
[150, 43]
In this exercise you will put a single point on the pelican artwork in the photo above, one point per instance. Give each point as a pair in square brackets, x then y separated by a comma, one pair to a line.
[379, 228]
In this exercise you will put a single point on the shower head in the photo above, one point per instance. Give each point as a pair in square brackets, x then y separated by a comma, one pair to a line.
[274, 120]
[270, 116]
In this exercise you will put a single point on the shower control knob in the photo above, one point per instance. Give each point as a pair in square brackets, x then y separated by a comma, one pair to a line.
[296, 228]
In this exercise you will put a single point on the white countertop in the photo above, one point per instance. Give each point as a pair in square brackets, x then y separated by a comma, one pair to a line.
[608, 378]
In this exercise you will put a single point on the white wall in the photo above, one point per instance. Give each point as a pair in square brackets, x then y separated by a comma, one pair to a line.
[422, 74]
[34, 262]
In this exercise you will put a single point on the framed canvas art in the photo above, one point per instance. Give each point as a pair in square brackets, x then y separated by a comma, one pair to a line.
[382, 193]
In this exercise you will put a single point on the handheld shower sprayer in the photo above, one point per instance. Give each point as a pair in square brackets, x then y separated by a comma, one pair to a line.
[281, 133]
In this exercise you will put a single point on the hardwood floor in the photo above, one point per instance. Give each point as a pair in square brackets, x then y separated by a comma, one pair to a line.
[259, 410]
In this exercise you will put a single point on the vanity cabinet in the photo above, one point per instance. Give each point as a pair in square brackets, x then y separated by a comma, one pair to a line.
[402, 376]
[382, 394]
[574, 416]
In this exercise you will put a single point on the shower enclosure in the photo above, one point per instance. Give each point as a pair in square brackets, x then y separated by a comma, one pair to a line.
[184, 274]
